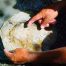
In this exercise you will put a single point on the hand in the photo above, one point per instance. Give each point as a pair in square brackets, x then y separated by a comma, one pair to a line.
[23, 56]
[45, 17]
[19, 56]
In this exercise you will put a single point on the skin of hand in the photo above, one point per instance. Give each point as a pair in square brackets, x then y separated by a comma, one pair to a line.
[21, 56]
[44, 17]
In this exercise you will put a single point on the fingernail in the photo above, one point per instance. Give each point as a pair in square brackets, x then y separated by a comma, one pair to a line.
[47, 25]
[42, 27]
[29, 24]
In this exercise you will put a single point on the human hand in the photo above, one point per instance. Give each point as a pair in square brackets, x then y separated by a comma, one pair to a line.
[19, 56]
[23, 56]
[44, 17]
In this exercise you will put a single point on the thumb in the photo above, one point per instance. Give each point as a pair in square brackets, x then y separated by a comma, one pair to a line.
[8, 54]
[47, 21]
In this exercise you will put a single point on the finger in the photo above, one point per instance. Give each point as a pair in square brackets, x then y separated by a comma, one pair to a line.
[35, 18]
[21, 50]
[45, 23]
[53, 21]
[8, 54]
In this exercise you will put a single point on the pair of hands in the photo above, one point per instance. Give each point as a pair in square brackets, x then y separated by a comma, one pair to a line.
[44, 17]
